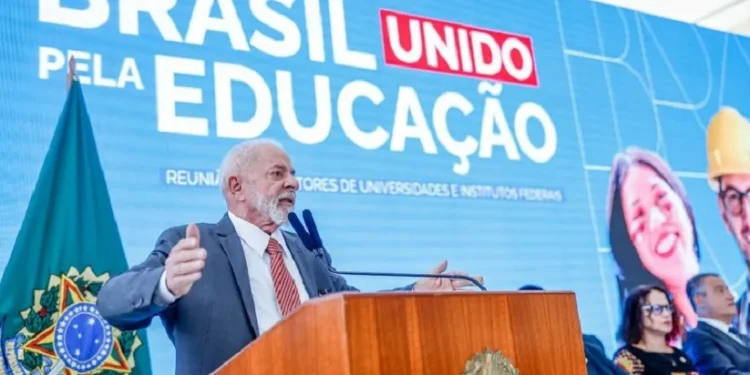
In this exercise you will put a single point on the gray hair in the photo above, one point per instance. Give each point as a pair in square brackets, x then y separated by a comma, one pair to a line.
[241, 158]
[695, 286]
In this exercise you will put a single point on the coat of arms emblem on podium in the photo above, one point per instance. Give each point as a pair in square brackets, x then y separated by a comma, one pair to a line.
[489, 363]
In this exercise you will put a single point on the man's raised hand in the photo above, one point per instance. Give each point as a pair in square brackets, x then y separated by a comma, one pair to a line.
[185, 263]
[442, 284]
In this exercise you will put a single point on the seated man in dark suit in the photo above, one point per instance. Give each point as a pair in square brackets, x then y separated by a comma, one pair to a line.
[597, 362]
[714, 346]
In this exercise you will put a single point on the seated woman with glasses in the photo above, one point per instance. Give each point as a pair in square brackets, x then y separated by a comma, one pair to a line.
[649, 322]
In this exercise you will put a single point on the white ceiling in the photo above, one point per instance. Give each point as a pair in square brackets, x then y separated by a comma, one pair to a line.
[724, 15]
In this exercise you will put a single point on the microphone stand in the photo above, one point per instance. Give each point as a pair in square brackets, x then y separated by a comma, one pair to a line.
[423, 275]
[311, 240]
[319, 254]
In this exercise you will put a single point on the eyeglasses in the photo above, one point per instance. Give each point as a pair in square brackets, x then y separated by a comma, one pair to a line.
[658, 309]
[734, 200]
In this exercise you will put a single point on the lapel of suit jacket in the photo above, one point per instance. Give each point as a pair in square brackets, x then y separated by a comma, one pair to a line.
[721, 336]
[230, 243]
[304, 260]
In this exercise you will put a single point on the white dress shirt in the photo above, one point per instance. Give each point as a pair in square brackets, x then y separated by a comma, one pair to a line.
[721, 326]
[254, 242]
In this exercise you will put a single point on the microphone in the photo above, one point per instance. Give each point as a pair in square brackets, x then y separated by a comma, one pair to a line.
[301, 231]
[310, 238]
[310, 223]
[307, 239]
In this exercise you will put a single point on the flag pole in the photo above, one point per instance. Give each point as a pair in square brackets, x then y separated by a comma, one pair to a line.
[71, 71]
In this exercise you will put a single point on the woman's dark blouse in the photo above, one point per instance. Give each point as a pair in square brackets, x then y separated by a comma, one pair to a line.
[639, 362]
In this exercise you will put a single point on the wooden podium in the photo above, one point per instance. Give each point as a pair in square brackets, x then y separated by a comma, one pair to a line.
[419, 333]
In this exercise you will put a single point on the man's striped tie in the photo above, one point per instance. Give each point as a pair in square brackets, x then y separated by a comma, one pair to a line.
[286, 290]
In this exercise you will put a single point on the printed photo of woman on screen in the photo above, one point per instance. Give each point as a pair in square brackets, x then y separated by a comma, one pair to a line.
[652, 233]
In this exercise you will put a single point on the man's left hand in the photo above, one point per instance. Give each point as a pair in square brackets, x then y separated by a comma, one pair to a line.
[443, 284]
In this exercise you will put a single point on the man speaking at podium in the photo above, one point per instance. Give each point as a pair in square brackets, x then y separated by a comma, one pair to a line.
[217, 287]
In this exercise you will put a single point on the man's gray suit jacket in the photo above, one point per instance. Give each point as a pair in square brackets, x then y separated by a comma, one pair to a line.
[216, 319]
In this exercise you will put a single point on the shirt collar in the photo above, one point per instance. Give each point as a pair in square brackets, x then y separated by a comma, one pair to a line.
[721, 326]
[255, 238]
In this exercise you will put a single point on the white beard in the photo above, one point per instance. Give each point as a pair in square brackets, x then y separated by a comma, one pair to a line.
[272, 208]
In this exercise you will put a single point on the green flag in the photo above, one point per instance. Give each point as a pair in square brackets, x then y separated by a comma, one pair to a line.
[67, 247]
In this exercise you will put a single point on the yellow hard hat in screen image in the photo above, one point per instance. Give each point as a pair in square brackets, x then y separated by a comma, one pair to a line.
[727, 145]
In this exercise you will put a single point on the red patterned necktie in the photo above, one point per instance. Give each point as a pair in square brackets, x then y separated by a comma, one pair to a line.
[286, 290]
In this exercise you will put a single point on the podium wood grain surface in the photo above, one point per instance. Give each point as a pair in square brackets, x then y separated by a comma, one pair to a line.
[419, 333]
